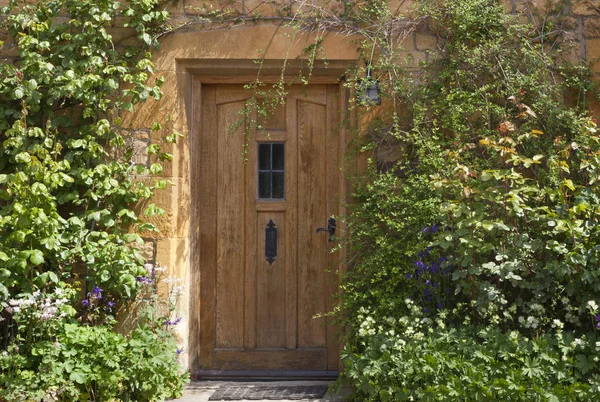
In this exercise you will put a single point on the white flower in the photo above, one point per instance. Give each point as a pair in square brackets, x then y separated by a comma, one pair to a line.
[149, 268]
[592, 306]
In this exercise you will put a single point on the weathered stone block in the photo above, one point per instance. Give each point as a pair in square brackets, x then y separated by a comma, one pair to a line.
[425, 41]
[248, 42]
[586, 7]
[175, 200]
[148, 250]
[402, 7]
[571, 23]
[593, 54]
[591, 28]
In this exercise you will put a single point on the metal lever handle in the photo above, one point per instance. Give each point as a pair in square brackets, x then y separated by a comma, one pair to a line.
[330, 228]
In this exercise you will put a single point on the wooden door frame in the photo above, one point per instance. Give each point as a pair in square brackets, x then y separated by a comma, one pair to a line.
[219, 71]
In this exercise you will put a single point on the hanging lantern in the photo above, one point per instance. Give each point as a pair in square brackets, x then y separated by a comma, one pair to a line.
[371, 95]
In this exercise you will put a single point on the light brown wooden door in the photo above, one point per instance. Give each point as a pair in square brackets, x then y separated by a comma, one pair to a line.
[257, 310]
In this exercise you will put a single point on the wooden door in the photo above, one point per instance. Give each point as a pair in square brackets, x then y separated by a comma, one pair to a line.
[257, 309]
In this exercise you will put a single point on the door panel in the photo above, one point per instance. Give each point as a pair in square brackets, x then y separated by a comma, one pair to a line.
[257, 314]
[230, 234]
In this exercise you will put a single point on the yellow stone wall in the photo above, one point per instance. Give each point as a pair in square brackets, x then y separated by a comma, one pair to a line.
[193, 41]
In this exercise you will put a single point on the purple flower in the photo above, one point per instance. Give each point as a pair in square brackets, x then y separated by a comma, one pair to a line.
[85, 303]
[97, 291]
[408, 276]
[421, 267]
[179, 351]
[426, 230]
[175, 322]
[434, 228]
[597, 318]
[145, 280]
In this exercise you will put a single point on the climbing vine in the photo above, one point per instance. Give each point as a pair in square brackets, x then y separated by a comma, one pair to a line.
[74, 191]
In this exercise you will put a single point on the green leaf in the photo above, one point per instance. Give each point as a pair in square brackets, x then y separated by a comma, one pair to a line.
[78, 377]
[569, 184]
[36, 257]
[23, 157]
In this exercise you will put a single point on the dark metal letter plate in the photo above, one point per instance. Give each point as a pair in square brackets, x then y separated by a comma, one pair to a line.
[271, 242]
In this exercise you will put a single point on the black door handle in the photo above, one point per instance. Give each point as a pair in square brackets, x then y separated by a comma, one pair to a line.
[330, 228]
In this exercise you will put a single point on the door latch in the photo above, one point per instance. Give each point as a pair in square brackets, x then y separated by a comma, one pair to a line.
[330, 228]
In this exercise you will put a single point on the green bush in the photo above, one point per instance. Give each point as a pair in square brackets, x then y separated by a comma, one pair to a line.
[74, 203]
[88, 363]
[424, 360]
[475, 258]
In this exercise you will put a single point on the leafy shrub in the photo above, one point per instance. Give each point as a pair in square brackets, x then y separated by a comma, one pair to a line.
[74, 203]
[475, 257]
[424, 360]
[51, 355]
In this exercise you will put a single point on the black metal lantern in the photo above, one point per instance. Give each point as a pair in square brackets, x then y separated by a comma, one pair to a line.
[371, 95]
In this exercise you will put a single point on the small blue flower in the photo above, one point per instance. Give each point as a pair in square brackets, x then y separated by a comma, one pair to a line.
[408, 276]
[426, 230]
[85, 303]
[434, 228]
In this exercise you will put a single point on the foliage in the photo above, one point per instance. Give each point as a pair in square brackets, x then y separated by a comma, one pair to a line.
[487, 224]
[53, 356]
[73, 203]
[423, 359]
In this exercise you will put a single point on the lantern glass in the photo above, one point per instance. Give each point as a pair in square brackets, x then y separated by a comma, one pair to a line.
[371, 95]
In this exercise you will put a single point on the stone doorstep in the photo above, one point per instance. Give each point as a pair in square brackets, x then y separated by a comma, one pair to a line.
[200, 391]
